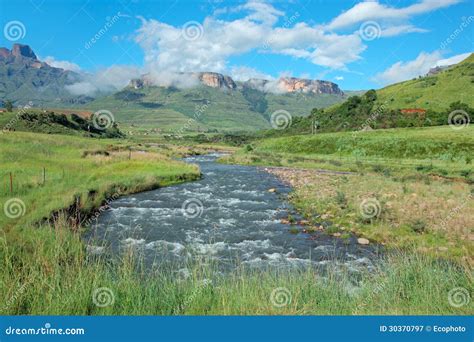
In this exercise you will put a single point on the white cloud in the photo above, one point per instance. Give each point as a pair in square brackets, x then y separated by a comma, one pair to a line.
[244, 73]
[113, 78]
[66, 65]
[165, 78]
[339, 78]
[402, 71]
[453, 60]
[400, 29]
[373, 10]
[166, 47]
[257, 27]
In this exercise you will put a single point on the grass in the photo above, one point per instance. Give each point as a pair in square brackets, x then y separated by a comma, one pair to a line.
[435, 218]
[417, 178]
[45, 268]
[429, 150]
[432, 92]
[49, 273]
[170, 109]
[53, 172]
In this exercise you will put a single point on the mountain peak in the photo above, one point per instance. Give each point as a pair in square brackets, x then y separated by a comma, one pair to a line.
[23, 50]
[284, 84]
[294, 84]
[20, 53]
[216, 80]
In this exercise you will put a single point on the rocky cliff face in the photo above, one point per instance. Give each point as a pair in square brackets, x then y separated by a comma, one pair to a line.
[215, 80]
[210, 79]
[21, 55]
[437, 70]
[286, 84]
[292, 84]
[25, 79]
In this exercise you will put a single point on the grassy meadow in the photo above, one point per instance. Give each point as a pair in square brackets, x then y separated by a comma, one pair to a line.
[53, 172]
[434, 91]
[440, 151]
[45, 267]
[420, 180]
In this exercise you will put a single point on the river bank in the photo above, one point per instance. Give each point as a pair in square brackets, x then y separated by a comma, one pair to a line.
[47, 269]
[232, 213]
[411, 199]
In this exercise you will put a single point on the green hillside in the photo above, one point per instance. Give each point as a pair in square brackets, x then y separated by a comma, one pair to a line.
[210, 109]
[50, 122]
[432, 98]
[433, 92]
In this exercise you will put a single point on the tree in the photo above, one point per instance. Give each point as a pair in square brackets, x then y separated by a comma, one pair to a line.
[371, 95]
[8, 105]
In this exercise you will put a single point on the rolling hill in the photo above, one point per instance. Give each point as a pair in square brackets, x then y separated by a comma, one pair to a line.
[214, 102]
[204, 108]
[426, 101]
[434, 91]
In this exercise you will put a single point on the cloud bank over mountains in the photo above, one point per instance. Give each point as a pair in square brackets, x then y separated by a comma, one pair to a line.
[259, 27]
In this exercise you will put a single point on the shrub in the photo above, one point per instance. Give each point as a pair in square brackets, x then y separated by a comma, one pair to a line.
[341, 199]
[418, 226]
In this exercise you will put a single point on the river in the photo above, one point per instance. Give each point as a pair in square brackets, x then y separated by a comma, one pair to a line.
[228, 216]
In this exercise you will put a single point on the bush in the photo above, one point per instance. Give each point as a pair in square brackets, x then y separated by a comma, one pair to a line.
[418, 226]
[341, 199]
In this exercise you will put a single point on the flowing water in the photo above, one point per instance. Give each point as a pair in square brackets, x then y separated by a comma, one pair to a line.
[229, 216]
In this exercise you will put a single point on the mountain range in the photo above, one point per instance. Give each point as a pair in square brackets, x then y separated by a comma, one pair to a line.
[25, 79]
[209, 101]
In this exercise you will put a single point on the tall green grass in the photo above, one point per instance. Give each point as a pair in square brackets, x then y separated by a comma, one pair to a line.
[50, 273]
[52, 172]
[433, 150]
[442, 143]
[45, 269]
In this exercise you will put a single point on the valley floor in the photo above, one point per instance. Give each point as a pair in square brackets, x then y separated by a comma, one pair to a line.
[420, 200]
[45, 268]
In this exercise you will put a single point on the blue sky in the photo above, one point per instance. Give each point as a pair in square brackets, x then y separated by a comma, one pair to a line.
[357, 45]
